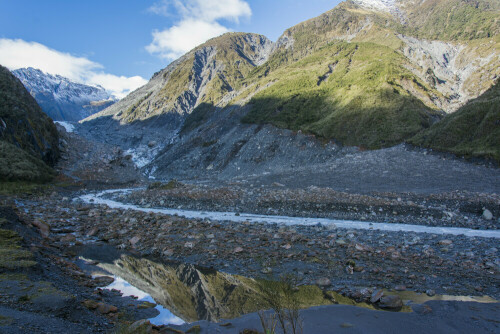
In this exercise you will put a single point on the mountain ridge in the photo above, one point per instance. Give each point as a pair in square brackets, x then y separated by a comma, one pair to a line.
[357, 75]
[61, 98]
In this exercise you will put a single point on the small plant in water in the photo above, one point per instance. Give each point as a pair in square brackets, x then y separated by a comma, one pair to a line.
[280, 296]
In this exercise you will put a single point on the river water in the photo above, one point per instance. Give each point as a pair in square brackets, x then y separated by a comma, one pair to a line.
[99, 198]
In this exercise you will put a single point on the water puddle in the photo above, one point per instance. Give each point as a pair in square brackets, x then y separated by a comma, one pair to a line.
[98, 198]
[420, 298]
[185, 293]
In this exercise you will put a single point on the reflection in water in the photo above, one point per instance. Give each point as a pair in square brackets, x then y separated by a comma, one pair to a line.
[164, 318]
[192, 293]
[420, 298]
[188, 293]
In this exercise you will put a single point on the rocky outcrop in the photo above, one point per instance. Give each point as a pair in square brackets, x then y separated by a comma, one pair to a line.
[61, 98]
[22, 122]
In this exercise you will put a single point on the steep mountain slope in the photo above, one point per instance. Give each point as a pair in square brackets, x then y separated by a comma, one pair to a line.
[27, 135]
[369, 73]
[210, 73]
[474, 130]
[61, 98]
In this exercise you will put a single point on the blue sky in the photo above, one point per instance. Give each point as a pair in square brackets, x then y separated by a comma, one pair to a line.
[120, 43]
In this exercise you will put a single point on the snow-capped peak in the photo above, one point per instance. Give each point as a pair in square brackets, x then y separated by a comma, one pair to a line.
[382, 5]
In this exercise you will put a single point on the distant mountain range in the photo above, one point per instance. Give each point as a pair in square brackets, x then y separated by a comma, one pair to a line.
[368, 73]
[61, 98]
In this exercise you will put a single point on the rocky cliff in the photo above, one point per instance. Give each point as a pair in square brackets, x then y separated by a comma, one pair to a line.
[61, 98]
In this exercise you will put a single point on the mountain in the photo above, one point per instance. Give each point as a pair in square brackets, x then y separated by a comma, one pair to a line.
[211, 73]
[368, 73]
[61, 98]
[472, 131]
[29, 141]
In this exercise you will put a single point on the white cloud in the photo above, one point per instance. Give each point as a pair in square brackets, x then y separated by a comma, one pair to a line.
[18, 53]
[179, 39]
[198, 23]
[120, 86]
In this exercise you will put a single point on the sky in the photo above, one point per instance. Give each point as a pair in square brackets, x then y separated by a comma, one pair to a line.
[120, 44]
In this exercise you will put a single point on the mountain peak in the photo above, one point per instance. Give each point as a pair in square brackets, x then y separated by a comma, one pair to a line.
[61, 98]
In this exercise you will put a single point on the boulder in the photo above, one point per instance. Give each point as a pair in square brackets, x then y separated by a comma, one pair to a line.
[391, 302]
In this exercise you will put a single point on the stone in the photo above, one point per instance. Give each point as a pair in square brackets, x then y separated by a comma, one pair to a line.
[349, 270]
[103, 281]
[362, 248]
[376, 295]
[445, 242]
[90, 304]
[487, 214]
[391, 302]
[168, 252]
[400, 288]
[92, 232]
[323, 282]
[238, 250]
[267, 270]
[68, 238]
[43, 228]
[430, 293]
[189, 244]
[106, 308]
[134, 240]
[141, 326]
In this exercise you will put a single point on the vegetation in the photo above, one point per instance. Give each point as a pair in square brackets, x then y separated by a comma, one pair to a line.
[17, 165]
[23, 123]
[472, 131]
[199, 115]
[282, 298]
[355, 93]
[452, 20]
[12, 256]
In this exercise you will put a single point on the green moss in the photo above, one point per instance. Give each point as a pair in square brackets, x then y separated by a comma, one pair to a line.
[23, 187]
[5, 321]
[12, 256]
[17, 165]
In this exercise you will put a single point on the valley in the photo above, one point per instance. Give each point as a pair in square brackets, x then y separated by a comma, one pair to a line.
[345, 177]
